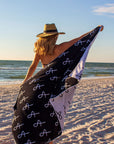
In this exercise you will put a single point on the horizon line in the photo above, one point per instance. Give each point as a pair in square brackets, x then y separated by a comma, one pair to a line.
[32, 60]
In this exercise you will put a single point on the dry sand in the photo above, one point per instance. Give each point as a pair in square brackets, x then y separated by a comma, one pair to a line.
[90, 119]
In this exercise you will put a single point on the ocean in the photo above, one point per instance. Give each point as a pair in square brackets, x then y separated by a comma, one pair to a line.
[13, 72]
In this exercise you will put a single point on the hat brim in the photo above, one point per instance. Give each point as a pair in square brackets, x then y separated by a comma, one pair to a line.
[48, 34]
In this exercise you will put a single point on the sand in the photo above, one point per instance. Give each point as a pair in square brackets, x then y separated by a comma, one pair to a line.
[90, 119]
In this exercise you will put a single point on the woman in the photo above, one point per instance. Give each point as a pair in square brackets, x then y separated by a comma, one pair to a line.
[46, 48]
[35, 119]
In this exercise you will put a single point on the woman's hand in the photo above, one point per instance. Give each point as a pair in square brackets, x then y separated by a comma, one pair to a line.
[102, 27]
[22, 83]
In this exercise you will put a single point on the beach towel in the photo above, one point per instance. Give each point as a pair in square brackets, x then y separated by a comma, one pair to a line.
[44, 99]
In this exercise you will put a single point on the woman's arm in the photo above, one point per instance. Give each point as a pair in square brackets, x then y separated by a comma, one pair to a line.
[64, 46]
[32, 67]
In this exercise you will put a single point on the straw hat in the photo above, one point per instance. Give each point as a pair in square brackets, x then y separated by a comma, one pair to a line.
[49, 29]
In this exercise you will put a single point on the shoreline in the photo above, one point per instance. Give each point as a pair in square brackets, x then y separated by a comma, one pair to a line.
[18, 82]
[97, 77]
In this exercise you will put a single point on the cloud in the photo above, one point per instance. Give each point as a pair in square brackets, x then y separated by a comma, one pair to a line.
[107, 9]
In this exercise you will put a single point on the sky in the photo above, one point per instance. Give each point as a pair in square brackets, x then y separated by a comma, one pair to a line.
[21, 21]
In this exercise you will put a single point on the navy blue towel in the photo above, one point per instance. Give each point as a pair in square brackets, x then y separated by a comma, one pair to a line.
[44, 99]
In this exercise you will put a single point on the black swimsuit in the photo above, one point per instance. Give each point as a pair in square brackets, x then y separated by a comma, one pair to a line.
[44, 65]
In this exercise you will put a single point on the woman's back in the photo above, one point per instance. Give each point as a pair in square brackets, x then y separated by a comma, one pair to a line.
[48, 58]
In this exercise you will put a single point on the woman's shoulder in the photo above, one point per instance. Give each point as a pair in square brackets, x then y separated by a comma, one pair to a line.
[61, 47]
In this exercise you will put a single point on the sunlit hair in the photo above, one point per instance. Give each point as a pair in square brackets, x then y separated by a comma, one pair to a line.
[45, 45]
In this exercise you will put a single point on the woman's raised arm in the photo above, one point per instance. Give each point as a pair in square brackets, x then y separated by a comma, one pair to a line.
[64, 46]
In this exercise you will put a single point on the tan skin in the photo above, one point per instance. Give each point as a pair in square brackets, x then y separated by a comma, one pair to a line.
[48, 58]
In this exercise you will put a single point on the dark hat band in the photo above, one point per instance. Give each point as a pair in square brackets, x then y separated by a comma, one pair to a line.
[47, 31]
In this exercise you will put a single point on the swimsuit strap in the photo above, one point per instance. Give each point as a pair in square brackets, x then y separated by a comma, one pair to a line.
[45, 64]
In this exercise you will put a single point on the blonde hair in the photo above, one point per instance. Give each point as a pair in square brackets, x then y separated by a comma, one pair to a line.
[45, 45]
